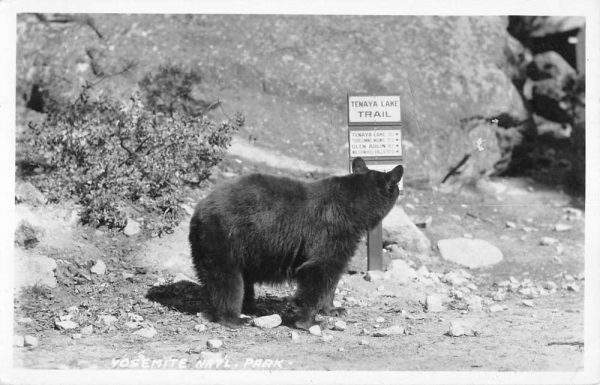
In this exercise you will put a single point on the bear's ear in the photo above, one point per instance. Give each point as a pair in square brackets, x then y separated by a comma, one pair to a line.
[395, 175]
[359, 166]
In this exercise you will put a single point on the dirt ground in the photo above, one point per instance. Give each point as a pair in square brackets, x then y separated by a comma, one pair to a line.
[144, 289]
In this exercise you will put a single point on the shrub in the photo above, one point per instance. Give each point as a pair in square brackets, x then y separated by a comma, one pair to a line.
[115, 158]
[170, 90]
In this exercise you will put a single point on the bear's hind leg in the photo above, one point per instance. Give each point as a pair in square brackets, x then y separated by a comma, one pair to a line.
[248, 305]
[227, 292]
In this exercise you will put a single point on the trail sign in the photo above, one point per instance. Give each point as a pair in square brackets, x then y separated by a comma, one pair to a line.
[375, 134]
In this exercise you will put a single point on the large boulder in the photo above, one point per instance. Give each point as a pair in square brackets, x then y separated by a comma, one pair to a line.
[399, 229]
[472, 253]
[291, 75]
[34, 270]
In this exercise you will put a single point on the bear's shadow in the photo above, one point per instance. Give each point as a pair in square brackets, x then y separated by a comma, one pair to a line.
[192, 298]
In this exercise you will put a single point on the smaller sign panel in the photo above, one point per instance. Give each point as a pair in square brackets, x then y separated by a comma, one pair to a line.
[380, 109]
[375, 143]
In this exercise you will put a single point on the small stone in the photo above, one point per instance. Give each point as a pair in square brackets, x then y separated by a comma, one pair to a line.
[18, 341]
[374, 275]
[548, 241]
[423, 271]
[73, 310]
[76, 336]
[511, 225]
[390, 331]
[528, 229]
[471, 286]
[580, 276]
[363, 342]
[132, 228]
[340, 349]
[337, 303]
[573, 287]
[327, 337]
[433, 304]
[379, 320]
[267, 322]
[339, 325]
[380, 288]
[135, 317]
[25, 320]
[422, 222]
[569, 277]
[160, 281]
[474, 303]
[294, 336]
[504, 283]
[551, 286]
[496, 308]
[89, 329]
[513, 280]
[527, 302]
[107, 319]
[132, 325]
[127, 275]
[458, 329]
[214, 343]
[454, 278]
[181, 277]
[528, 292]
[200, 328]
[99, 268]
[148, 332]
[364, 332]
[559, 227]
[572, 213]
[66, 325]
[315, 330]
[30, 341]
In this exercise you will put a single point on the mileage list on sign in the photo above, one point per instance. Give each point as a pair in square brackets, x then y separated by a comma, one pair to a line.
[375, 143]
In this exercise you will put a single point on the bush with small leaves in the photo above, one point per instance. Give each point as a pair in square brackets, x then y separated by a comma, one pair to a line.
[114, 158]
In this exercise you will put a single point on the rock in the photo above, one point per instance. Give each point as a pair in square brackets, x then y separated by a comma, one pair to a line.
[66, 325]
[474, 303]
[30, 341]
[496, 308]
[379, 320]
[399, 271]
[25, 320]
[573, 287]
[327, 337]
[458, 329]
[499, 295]
[132, 228]
[336, 303]
[547, 65]
[390, 331]
[132, 325]
[32, 270]
[127, 276]
[400, 230]
[511, 225]
[182, 277]
[107, 319]
[472, 253]
[294, 336]
[363, 342]
[375, 275]
[559, 227]
[572, 214]
[433, 303]
[76, 336]
[18, 341]
[135, 317]
[200, 328]
[25, 192]
[339, 325]
[527, 303]
[99, 268]
[87, 330]
[28, 236]
[364, 332]
[147, 332]
[422, 222]
[315, 330]
[214, 343]
[548, 241]
[267, 322]
[454, 278]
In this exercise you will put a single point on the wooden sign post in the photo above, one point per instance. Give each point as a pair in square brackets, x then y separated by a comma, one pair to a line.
[375, 134]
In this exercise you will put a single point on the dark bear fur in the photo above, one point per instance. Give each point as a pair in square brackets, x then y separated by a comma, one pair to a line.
[267, 229]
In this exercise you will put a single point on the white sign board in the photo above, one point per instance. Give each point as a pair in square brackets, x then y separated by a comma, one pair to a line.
[374, 109]
[375, 143]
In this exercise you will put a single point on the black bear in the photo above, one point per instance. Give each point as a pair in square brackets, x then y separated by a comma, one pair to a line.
[266, 229]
